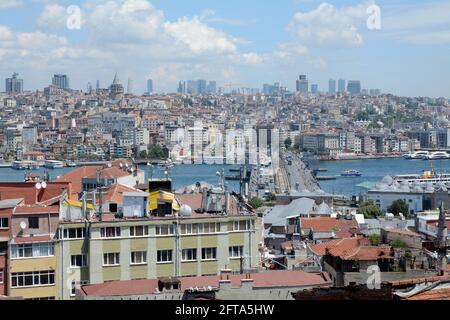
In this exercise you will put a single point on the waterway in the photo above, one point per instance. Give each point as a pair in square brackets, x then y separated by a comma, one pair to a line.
[181, 175]
[373, 170]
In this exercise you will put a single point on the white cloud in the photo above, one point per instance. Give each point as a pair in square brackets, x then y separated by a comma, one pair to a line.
[53, 16]
[6, 4]
[329, 25]
[199, 37]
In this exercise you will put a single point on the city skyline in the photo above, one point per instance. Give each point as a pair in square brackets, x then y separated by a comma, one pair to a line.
[168, 42]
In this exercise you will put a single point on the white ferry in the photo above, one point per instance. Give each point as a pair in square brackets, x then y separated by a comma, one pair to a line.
[438, 155]
[417, 155]
[428, 176]
[53, 164]
[24, 165]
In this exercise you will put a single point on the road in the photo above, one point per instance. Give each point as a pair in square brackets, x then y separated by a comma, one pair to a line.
[300, 177]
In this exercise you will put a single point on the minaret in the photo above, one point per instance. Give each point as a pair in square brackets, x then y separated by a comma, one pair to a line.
[441, 241]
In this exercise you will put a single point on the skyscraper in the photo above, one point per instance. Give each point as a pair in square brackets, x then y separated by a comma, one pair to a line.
[130, 86]
[191, 87]
[201, 86]
[212, 87]
[314, 88]
[331, 86]
[181, 87]
[341, 85]
[354, 87]
[14, 84]
[302, 84]
[61, 81]
[149, 86]
[97, 85]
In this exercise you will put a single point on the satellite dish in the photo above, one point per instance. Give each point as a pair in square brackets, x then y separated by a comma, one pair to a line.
[132, 170]
[121, 165]
[44, 185]
[38, 186]
[126, 165]
[23, 225]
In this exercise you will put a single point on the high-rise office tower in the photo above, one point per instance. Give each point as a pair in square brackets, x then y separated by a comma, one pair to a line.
[130, 86]
[191, 87]
[97, 85]
[14, 84]
[181, 87]
[89, 87]
[341, 85]
[212, 87]
[314, 88]
[354, 87]
[201, 86]
[331, 86]
[302, 84]
[149, 86]
[61, 81]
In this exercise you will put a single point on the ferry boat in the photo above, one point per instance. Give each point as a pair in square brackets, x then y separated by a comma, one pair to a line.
[438, 155]
[53, 164]
[428, 176]
[24, 165]
[71, 164]
[417, 155]
[351, 173]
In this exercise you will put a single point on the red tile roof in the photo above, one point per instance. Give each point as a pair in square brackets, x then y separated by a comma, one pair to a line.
[341, 227]
[433, 294]
[75, 176]
[341, 244]
[361, 253]
[28, 191]
[263, 279]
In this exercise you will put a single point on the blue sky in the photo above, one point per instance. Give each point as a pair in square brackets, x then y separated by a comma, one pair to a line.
[246, 42]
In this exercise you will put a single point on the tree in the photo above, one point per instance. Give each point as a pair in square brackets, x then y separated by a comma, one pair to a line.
[375, 239]
[398, 243]
[256, 202]
[399, 206]
[288, 142]
[369, 210]
[143, 154]
[156, 151]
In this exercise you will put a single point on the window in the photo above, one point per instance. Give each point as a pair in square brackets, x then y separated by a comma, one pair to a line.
[1, 276]
[164, 256]
[32, 279]
[236, 251]
[241, 225]
[111, 259]
[209, 253]
[188, 228]
[3, 223]
[138, 231]
[110, 232]
[33, 222]
[189, 254]
[164, 230]
[209, 227]
[33, 250]
[78, 260]
[139, 257]
[76, 285]
[74, 233]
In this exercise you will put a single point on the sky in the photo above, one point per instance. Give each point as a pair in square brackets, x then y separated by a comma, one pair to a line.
[404, 50]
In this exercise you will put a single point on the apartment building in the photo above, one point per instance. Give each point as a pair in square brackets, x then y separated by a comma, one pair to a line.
[159, 234]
